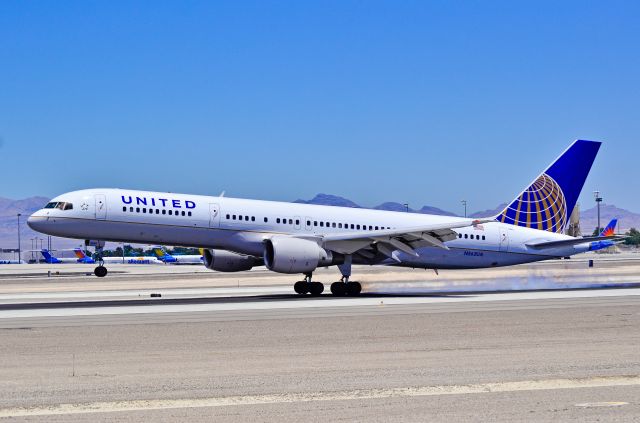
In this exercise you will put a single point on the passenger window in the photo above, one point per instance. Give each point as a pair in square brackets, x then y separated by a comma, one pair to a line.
[164, 211]
[124, 209]
[358, 227]
[376, 228]
[315, 223]
[228, 216]
[308, 223]
[239, 217]
[466, 236]
[297, 222]
[370, 227]
[144, 210]
[278, 220]
[290, 221]
[322, 224]
[459, 235]
[183, 213]
[189, 213]
[333, 225]
[483, 238]
[253, 218]
[352, 226]
[233, 217]
[170, 212]
[246, 218]
[266, 220]
[339, 225]
[137, 209]
[478, 237]
[157, 211]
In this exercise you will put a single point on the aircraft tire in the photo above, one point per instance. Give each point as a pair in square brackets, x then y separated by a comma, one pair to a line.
[316, 288]
[300, 287]
[354, 288]
[100, 271]
[338, 288]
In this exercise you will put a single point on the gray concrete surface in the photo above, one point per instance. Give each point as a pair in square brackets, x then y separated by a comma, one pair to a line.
[469, 356]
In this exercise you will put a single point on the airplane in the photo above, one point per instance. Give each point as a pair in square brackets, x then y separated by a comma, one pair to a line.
[12, 262]
[164, 256]
[608, 231]
[292, 238]
[49, 258]
[84, 258]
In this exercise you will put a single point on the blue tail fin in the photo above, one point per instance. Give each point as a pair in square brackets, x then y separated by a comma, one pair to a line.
[48, 258]
[549, 200]
[610, 229]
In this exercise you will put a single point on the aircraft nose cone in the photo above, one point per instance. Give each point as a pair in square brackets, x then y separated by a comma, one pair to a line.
[37, 223]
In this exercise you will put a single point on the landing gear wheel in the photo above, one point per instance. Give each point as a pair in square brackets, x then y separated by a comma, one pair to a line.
[338, 288]
[316, 288]
[354, 288]
[100, 271]
[301, 287]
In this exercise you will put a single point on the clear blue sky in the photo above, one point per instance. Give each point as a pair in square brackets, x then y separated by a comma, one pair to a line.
[425, 102]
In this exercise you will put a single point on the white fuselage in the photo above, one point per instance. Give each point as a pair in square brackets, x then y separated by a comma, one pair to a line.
[242, 226]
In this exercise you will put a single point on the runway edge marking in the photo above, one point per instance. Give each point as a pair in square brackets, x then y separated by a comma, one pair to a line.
[361, 394]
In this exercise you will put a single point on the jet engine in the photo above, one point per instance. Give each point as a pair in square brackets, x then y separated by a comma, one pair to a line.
[227, 261]
[295, 255]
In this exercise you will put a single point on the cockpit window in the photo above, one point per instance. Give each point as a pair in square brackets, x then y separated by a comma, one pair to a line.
[59, 206]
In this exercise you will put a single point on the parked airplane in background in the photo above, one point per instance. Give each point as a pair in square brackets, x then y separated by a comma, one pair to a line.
[164, 256]
[608, 231]
[83, 258]
[12, 262]
[239, 234]
[121, 260]
[49, 258]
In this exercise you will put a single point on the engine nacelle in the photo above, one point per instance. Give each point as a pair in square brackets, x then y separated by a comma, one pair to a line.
[294, 255]
[227, 261]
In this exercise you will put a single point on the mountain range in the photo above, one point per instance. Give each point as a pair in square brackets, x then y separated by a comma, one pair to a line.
[10, 208]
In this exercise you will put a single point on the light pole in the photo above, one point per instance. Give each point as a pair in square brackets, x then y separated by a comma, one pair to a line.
[464, 203]
[598, 199]
[19, 249]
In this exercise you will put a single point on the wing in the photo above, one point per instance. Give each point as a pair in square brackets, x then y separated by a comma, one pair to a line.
[573, 241]
[387, 241]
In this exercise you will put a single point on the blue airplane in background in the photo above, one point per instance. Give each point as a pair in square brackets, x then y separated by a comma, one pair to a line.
[164, 256]
[608, 231]
[80, 257]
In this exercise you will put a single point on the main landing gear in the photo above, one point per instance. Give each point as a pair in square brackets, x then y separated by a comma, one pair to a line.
[344, 287]
[341, 288]
[308, 287]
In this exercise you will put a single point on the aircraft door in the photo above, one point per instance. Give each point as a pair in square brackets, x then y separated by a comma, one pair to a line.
[307, 223]
[504, 239]
[101, 206]
[214, 215]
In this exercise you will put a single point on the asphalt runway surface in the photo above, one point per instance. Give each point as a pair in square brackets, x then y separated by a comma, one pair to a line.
[81, 349]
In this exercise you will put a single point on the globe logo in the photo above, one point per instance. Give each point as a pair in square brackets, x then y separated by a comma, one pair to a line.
[541, 206]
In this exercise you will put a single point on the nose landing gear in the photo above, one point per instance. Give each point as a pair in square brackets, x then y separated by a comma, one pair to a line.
[99, 271]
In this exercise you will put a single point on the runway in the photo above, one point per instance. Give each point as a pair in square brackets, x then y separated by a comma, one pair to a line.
[257, 352]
